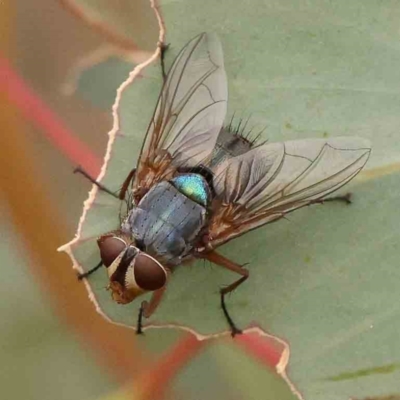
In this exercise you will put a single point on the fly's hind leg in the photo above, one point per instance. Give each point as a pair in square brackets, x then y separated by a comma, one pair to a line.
[346, 198]
[220, 260]
[163, 48]
[234, 329]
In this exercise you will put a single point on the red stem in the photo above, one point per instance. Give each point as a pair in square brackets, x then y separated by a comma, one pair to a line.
[155, 381]
[35, 110]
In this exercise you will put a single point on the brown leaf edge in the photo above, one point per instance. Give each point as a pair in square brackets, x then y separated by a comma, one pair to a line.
[112, 136]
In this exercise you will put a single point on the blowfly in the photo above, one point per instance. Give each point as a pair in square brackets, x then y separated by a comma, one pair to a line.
[198, 185]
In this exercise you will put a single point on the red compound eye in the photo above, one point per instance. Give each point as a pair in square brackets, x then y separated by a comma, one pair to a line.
[149, 273]
[110, 248]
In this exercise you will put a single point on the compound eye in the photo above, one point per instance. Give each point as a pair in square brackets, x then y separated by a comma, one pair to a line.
[110, 248]
[149, 273]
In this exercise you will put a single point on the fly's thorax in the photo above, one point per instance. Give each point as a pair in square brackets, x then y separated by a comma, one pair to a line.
[166, 222]
[131, 271]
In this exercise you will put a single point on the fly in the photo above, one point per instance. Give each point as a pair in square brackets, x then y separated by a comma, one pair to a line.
[198, 185]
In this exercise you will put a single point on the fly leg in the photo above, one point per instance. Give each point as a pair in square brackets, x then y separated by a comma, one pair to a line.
[220, 260]
[163, 49]
[147, 308]
[79, 170]
[346, 198]
[124, 188]
[90, 272]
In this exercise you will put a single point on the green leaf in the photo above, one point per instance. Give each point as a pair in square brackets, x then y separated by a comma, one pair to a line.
[327, 278]
[230, 374]
[99, 83]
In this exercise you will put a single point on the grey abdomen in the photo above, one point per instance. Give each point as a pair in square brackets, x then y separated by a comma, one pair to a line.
[166, 222]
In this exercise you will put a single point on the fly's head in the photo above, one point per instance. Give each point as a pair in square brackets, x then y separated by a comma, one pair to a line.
[131, 271]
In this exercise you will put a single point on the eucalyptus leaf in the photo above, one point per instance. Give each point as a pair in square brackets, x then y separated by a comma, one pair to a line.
[327, 278]
[99, 83]
[230, 374]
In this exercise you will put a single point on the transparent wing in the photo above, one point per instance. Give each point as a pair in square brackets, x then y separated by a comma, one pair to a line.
[189, 114]
[269, 181]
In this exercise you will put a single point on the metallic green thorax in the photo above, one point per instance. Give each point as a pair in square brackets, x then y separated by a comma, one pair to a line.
[194, 186]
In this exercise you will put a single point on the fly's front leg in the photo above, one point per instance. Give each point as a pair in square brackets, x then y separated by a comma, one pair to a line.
[224, 262]
[147, 308]
[90, 272]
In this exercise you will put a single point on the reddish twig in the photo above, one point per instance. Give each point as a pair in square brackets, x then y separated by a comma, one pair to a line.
[35, 110]
[124, 43]
[154, 381]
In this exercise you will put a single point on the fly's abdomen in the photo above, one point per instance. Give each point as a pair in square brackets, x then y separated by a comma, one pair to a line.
[167, 221]
[193, 186]
[229, 144]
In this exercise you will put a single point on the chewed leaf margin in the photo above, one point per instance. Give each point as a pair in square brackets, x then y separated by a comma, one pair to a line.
[106, 203]
[94, 192]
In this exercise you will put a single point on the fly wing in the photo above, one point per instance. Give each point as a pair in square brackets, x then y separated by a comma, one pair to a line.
[272, 180]
[189, 114]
